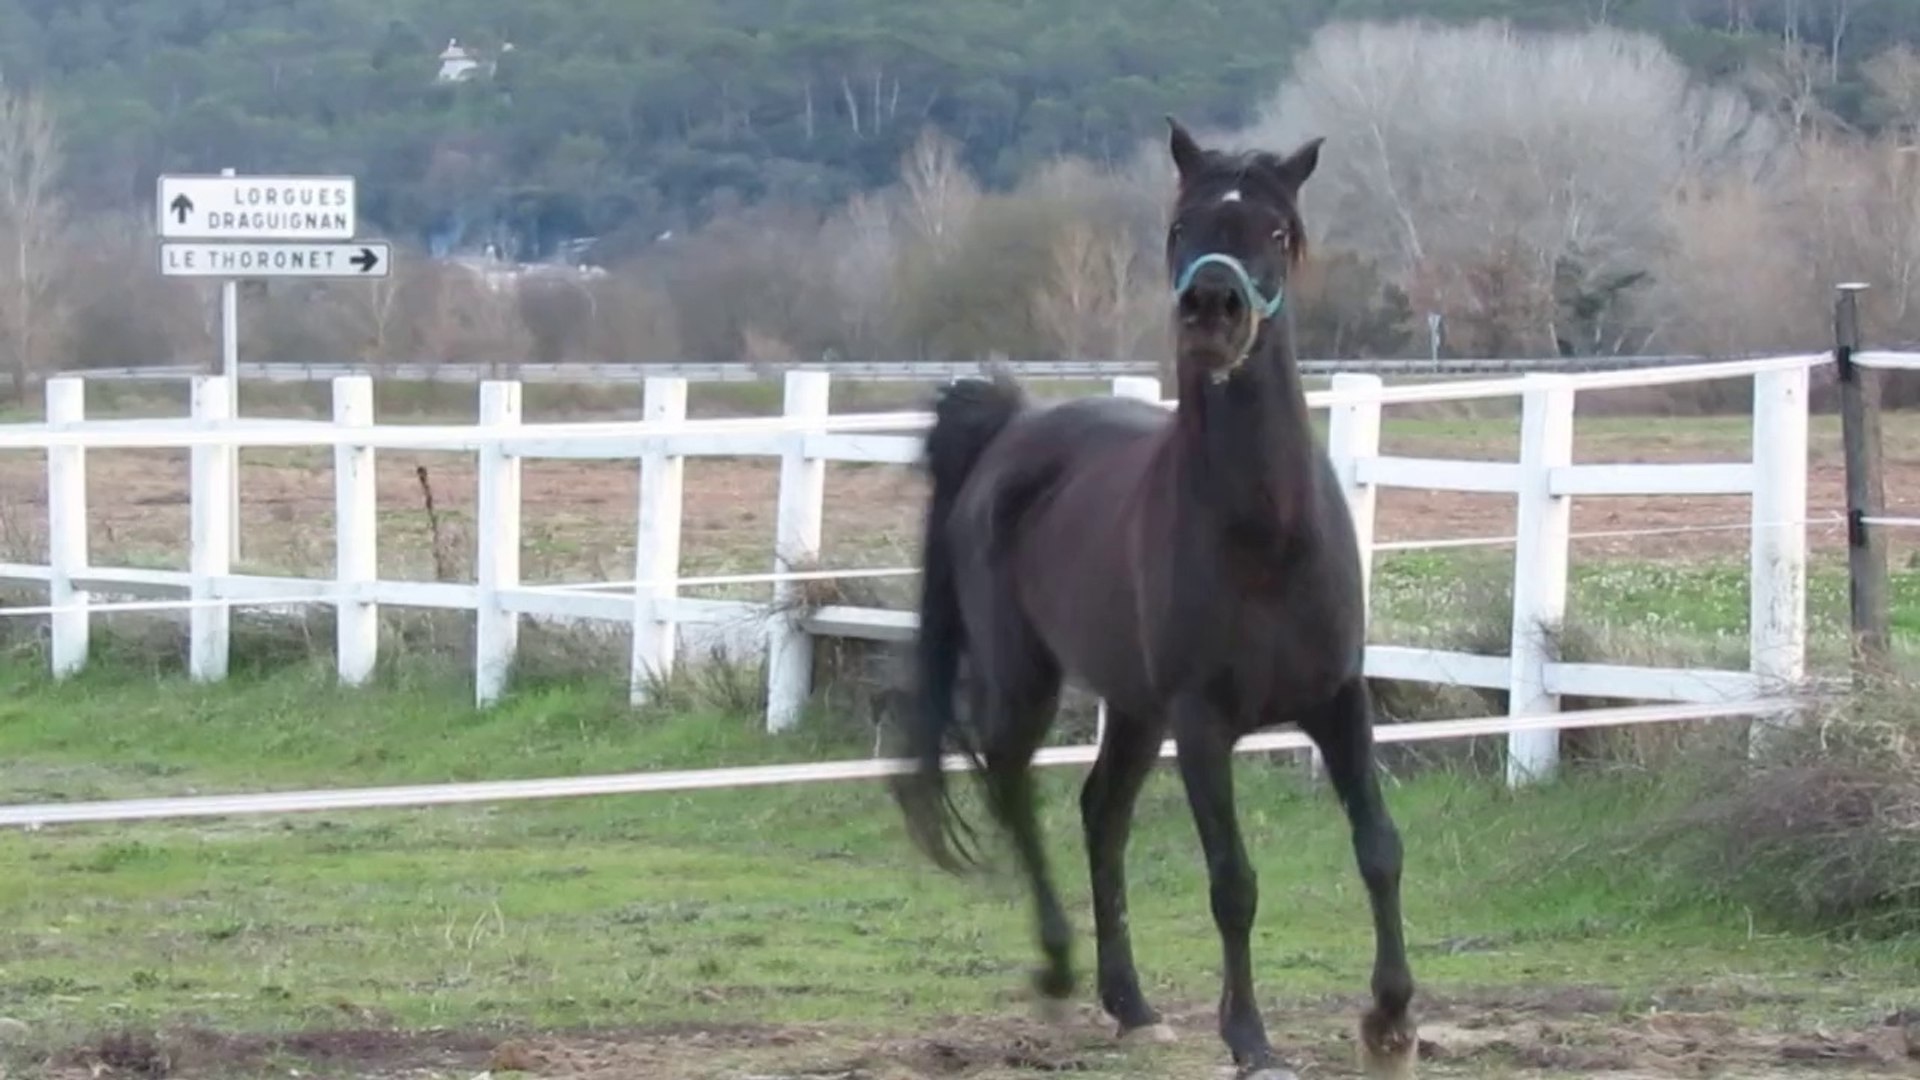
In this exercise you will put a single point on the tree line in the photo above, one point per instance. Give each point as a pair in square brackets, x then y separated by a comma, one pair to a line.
[1573, 192]
[630, 118]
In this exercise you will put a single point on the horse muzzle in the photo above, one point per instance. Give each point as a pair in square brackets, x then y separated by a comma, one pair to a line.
[1220, 311]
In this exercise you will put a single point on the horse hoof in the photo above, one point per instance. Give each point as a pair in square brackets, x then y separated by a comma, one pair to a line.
[1161, 1034]
[1388, 1049]
[1050, 1011]
[1054, 982]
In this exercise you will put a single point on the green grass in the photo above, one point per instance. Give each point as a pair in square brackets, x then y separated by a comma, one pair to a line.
[1636, 610]
[801, 903]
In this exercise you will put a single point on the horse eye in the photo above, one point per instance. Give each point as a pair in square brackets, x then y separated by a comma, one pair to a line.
[1279, 236]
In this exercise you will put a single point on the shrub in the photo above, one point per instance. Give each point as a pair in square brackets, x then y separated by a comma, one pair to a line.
[1823, 831]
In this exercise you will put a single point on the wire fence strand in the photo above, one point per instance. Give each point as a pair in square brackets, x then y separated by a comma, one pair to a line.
[112, 607]
[859, 573]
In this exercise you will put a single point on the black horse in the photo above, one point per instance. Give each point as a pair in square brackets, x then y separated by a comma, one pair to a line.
[1197, 570]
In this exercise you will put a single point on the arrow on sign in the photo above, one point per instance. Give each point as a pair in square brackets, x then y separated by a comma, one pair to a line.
[366, 260]
[181, 207]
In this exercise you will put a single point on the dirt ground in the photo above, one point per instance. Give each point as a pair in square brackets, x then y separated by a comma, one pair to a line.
[1567, 1032]
[578, 517]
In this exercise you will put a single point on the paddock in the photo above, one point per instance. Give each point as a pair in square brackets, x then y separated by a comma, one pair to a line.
[669, 614]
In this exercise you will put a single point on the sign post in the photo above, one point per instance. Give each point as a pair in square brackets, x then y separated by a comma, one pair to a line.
[230, 367]
[236, 228]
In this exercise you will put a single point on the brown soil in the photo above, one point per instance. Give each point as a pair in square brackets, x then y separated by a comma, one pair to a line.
[576, 517]
[1571, 1031]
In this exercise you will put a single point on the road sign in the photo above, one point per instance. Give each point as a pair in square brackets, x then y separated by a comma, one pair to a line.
[354, 259]
[256, 207]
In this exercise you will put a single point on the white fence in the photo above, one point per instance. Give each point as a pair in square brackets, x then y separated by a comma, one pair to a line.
[590, 373]
[1543, 482]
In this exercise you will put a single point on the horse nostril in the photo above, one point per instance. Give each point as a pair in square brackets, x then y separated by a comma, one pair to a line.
[1189, 304]
[1233, 305]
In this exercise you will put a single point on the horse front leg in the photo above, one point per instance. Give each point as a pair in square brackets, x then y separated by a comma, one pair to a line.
[1389, 1041]
[1206, 769]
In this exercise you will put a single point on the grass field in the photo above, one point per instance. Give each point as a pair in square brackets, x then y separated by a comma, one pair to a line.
[794, 927]
[792, 932]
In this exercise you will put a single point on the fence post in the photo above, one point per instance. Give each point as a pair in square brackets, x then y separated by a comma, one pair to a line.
[209, 625]
[1353, 433]
[1544, 530]
[497, 543]
[356, 555]
[803, 492]
[656, 549]
[1868, 589]
[67, 555]
[1777, 595]
[1141, 388]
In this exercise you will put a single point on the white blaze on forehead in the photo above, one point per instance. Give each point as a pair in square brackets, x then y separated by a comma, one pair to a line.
[1231, 196]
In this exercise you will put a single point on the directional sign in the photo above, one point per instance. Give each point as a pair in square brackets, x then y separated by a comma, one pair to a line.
[356, 259]
[256, 207]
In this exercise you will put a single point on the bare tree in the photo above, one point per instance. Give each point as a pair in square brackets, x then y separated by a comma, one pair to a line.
[116, 311]
[1070, 307]
[864, 242]
[31, 218]
[557, 310]
[941, 195]
[632, 322]
[1790, 80]
[1093, 303]
[1556, 152]
[1854, 208]
[1735, 277]
[380, 316]
[1895, 78]
[470, 316]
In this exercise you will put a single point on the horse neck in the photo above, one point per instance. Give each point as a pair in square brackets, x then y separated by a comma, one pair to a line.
[1246, 444]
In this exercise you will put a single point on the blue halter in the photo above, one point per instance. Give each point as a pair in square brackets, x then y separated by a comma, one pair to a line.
[1256, 300]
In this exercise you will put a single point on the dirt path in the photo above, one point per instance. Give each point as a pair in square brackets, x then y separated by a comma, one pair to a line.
[1567, 1032]
[578, 517]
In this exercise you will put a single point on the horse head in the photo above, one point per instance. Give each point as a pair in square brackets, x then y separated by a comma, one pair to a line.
[1235, 233]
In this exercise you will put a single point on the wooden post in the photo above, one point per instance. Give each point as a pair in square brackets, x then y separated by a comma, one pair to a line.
[656, 549]
[803, 492]
[497, 545]
[67, 557]
[356, 511]
[1866, 491]
[210, 557]
[1777, 593]
[1545, 526]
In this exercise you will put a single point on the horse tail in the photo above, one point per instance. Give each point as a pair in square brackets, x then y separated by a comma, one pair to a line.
[968, 416]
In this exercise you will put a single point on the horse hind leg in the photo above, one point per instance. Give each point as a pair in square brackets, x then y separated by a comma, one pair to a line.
[1015, 705]
[1389, 1041]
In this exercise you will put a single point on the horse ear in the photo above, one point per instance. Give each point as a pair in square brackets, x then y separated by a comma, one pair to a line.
[1294, 169]
[1186, 153]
